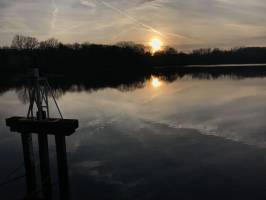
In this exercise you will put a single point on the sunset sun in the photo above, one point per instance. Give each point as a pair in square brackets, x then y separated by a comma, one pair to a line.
[156, 44]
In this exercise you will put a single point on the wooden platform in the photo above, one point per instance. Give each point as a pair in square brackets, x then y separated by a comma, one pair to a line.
[63, 127]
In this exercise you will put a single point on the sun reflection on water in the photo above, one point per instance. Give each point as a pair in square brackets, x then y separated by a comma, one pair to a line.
[155, 82]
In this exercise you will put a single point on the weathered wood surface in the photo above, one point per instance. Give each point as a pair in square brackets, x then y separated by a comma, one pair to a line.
[62, 127]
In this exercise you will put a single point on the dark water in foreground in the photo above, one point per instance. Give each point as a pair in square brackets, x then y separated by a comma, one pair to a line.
[189, 139]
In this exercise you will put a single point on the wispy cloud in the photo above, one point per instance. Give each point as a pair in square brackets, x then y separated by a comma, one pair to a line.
[54, 14]
[88, 3]
[146, 26]
[179, 23]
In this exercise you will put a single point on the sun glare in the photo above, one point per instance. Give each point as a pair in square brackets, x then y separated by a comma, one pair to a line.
[156, 45]
[155, 82]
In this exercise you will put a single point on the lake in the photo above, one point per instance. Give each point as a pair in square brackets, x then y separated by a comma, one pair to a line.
[189, 138]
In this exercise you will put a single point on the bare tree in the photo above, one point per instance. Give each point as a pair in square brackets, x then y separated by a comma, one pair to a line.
[17, 42]
[125, 44]
[24, 42]
[170, 50]
[31, 43]
[202, 51]
[49, 43]
[139, 48]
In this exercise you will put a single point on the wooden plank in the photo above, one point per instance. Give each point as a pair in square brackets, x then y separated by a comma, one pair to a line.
[64, 127]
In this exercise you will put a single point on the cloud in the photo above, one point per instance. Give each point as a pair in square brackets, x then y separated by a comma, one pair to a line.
[148, 27]
[190, 23]
[54, 14]
[88, 3]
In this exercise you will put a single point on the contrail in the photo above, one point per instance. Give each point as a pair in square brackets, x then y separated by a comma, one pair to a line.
[54, 14]
[121, 12]
[147, 27]
[86, 3]
[132, 18]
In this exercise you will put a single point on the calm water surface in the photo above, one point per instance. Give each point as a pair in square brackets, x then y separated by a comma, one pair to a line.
[189, 139]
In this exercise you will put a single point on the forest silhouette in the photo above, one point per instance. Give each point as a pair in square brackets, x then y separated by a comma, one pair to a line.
[125, 65]
[52, 56]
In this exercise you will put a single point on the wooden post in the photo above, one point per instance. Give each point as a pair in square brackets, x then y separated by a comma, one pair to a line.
[45, 166]
[29, 164]
[62, 167]
[60, 128]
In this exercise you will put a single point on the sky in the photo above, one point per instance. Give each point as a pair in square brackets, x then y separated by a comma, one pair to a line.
[183, 24]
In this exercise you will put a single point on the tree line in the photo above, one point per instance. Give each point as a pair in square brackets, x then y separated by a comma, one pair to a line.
[52, 56]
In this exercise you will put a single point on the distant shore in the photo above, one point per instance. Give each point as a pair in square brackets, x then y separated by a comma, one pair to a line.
[127, 81]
